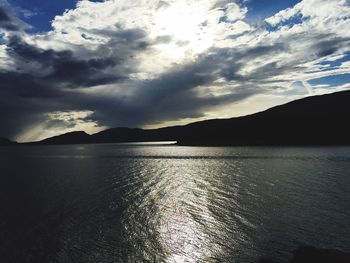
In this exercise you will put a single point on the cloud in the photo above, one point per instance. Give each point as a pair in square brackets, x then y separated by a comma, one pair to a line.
[3, 15]
[314, 10]
[8, 20]
[144, 63]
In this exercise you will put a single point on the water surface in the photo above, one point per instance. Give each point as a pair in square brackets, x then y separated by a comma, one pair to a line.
[156, 203]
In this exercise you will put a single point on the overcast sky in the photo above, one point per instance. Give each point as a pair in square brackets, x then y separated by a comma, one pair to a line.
[88, 65]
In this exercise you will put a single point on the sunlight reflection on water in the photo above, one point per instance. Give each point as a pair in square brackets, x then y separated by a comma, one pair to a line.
[181, 235]
[134, 203]
[183, 203]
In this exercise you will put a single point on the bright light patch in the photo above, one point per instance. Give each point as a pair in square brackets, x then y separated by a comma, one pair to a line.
[186, 24]
[59, 123]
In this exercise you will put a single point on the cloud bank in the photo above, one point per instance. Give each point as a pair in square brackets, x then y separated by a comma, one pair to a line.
[154, 63]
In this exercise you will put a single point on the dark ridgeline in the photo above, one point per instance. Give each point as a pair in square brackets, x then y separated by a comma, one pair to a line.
[77, 137]
[316, 120]
[115, 135]
[316, 255]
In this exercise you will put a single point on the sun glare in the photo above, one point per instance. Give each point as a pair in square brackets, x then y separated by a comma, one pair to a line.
[185, 24]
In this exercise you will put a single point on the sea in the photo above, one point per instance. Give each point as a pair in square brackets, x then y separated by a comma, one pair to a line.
[159, 202]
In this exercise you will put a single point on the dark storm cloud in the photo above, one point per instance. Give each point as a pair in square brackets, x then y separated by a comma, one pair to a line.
[169, 96]
[8, 20]
[63, 66]
[18, 112]
[39, 81]
[45, 80]
[173, 95]
[4, 17]
[329, 45]
[24, 85]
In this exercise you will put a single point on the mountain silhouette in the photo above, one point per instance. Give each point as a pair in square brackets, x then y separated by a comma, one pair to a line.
[314, 120]
[77, 137]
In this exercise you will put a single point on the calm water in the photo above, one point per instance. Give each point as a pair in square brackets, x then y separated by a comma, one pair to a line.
[153, 203]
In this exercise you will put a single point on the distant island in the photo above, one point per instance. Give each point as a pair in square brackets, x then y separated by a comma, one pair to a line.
[315, 120]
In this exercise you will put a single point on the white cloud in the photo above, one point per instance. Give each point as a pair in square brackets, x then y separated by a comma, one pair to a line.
[190, 27]
[5, 60]
[316, 10]
[235, 12]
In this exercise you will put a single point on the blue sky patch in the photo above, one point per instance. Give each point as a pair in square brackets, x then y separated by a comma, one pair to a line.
[44, 12]
[338, 62]
[259, 10]
[334, 80]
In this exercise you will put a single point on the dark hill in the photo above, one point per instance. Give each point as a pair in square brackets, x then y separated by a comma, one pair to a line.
[138, 135]
[317, 120]
[78, 137]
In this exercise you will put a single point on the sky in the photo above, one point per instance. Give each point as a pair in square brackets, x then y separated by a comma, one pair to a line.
[89, 65]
